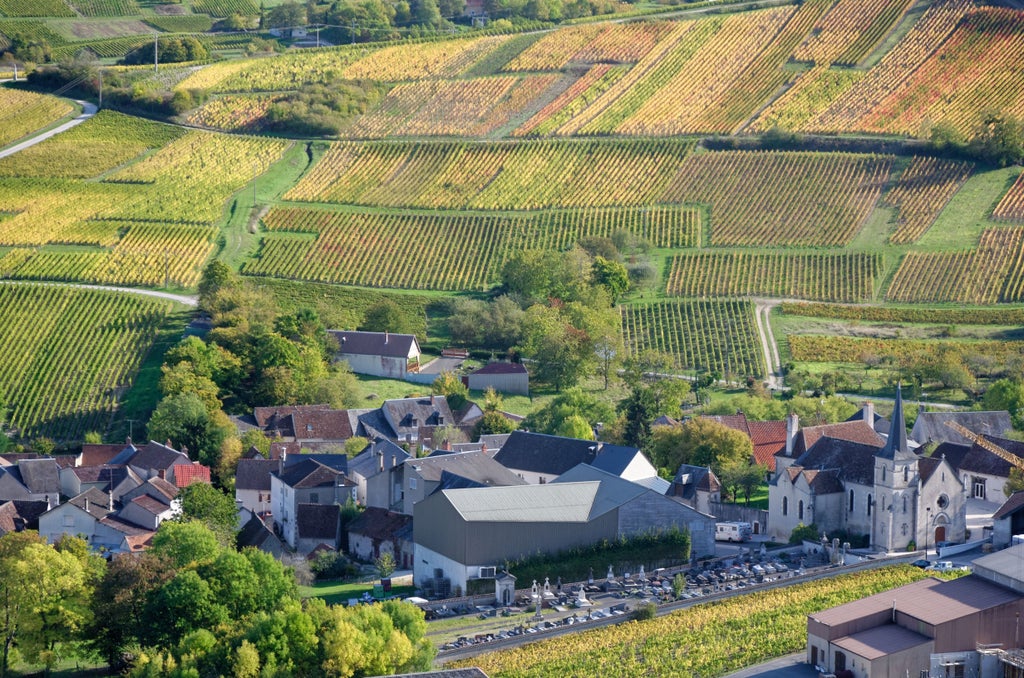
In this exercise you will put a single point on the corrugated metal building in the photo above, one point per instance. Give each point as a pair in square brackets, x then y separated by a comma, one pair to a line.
[460, 531]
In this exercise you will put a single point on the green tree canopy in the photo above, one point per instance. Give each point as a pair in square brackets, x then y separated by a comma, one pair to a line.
[700, 442]
[211, 507]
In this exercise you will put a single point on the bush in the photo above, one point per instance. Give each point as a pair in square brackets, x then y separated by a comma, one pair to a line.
[803, 533]
[332, 565]
[645, 611]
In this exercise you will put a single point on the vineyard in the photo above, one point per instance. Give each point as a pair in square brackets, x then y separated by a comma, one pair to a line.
[433, 59]
[902, 314]
[527, 175]
[234, 113]
[106, 7]
[465, 251]
[710, 639]
[812, 91]
[34, 8]
[850, 30]
[771, 199]
[1011, 207]
[820, 277]
[474, 107]
[618, 43]
[921, 193]
[814, 348]
[990, 273]
[105, 141]
[714, 335]
[69, 353]
[25, 112]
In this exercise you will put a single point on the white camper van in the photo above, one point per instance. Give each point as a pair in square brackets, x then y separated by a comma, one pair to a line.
[732, 531]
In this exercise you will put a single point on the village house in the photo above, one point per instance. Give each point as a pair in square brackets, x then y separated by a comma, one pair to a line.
[252, 483]
[31, 479]
[1008, 521]
[377, 531]
[18, 516]
[306, 483]
[767, 437]
[983, 472]
[379, 354]
[371, 469]
[696, 486]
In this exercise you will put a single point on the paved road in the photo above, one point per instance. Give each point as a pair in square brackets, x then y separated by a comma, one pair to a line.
[88, 110]
[187, 300]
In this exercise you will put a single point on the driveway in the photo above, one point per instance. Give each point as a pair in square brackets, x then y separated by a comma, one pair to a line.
[790, 666]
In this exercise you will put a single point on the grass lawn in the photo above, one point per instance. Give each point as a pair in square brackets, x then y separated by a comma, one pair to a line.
[758, 500]
[336, 593]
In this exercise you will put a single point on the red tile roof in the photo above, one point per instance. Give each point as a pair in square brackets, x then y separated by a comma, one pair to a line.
[94, 454]
[186, 474]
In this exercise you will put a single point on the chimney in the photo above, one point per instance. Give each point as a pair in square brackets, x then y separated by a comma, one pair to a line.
[869, 413]
[385, 336]
[432, 401]
[168, 443]
[792, 426]
[448, 445]
[87, 504]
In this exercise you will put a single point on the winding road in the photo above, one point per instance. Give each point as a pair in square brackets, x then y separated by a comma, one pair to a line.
[88, 110]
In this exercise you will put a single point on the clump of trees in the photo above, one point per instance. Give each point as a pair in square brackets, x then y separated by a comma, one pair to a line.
[168, 50]
[322, 110]
[997, 138]
[252, 356]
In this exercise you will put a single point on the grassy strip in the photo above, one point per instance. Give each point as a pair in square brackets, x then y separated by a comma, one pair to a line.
[337, 593]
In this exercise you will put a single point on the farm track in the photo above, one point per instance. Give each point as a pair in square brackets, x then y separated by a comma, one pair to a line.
[762, 315]
[184, 299]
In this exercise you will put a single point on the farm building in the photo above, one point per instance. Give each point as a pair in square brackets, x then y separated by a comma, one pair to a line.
[502, 377]
[962, 627]
[1008, 520]
[466, 533]
[379, 354]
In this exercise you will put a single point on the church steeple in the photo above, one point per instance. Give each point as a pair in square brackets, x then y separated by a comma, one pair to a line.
[896, 445]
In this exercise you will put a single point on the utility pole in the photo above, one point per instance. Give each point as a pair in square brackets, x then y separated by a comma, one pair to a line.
[156, 52]
[354, 24]
[318, 36]
[101, 90]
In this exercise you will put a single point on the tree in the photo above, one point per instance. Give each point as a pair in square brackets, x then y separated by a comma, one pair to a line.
[185, 544]
[211, 507]
[287, 15]
[385, 316]
[493, 422]
[119, 603]
[575, 426]
[41, 596]
[185, 420]
[426, 13]
[699, 442]
[385, 564]
[571, 402]
[1006, 394]
[355, 445]
[443, 437]
[998, 139]
[611, 275]
[1015, 483]
[451, 387]
[742, 477]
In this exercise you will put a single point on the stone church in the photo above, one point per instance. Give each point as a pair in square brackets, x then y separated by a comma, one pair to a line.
[845, 477]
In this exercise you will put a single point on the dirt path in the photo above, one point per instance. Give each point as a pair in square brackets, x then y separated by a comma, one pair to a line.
[187, 300]
[88, 110]
[762, 311]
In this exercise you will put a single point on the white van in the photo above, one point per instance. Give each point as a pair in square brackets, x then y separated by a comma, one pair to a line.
[732, 531]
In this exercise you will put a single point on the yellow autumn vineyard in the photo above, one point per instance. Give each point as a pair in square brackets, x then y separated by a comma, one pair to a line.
[705, 640]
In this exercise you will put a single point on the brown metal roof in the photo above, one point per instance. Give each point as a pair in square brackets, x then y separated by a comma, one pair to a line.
[931, 601]
[881, 641]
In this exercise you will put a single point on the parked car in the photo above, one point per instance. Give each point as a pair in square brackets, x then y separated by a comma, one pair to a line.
[922, 563]
[945, 566]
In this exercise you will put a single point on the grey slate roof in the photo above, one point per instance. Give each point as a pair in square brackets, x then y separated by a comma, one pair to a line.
[254, 533]
[379, 524]
[1010, 506]
[855, 461]
[499, 367]
[338, 462]
[691, 479]
[318, 521]
[476, 466]
[40, 476]
[254, 474]
[368, 462]
[976, 459]
[93, 502]
[375, 343]
[153, 455]
[878, 422]
[896, 444]
[553, 455]
[615, 459]
[405, 416]
[310, 473]
[930, 425]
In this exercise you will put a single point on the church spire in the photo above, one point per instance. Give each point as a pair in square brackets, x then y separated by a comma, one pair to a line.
[896, 445]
